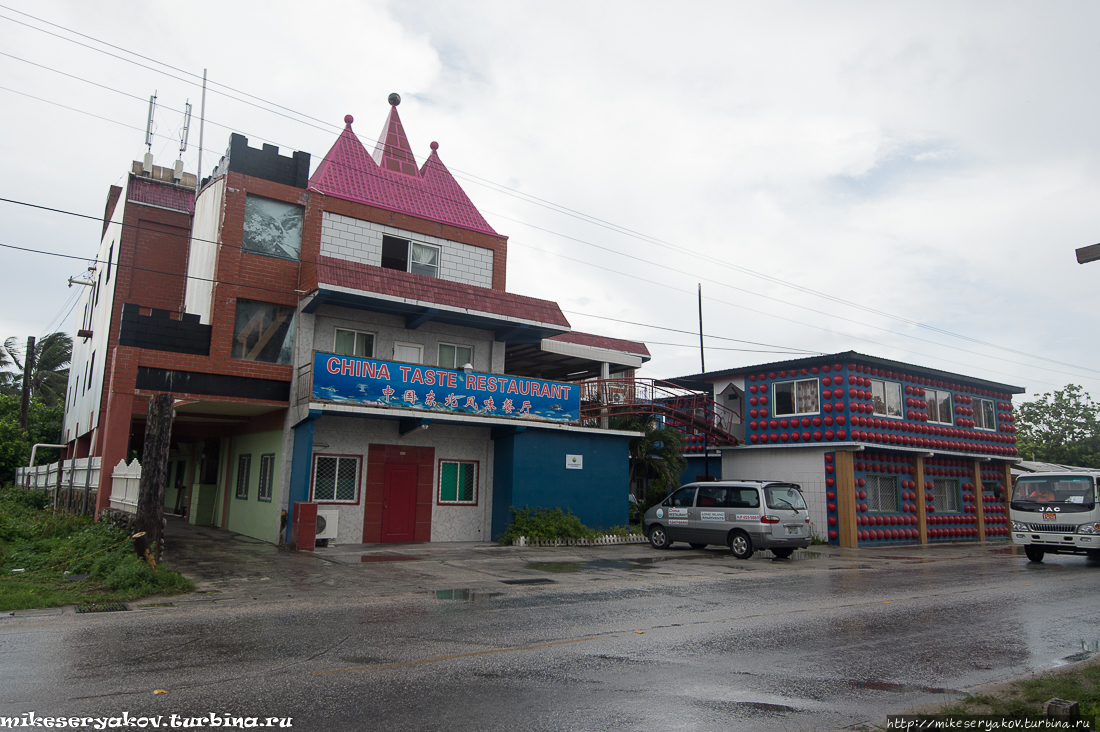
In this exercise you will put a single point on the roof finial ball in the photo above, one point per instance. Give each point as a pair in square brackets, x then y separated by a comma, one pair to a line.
[348, 119]
[434, 145]
[394, 99]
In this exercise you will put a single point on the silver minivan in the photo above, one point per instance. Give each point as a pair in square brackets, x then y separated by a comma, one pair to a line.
[744, 515]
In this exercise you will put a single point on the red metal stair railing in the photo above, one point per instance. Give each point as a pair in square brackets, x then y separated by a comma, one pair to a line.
[692, 409]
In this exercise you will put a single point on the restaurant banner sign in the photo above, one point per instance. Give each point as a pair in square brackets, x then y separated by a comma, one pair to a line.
[372, 383]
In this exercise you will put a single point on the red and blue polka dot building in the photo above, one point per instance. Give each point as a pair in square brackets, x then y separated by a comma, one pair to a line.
[906, 454]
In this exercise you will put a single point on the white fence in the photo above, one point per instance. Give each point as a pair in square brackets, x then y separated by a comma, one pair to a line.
[79, 482]
[125, 481]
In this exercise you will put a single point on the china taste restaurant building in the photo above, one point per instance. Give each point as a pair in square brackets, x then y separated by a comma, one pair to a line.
[401, 452]
[886, 452]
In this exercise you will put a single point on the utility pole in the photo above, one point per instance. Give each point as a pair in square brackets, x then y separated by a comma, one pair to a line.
[154, 470]
[28, 369]
[703, 367]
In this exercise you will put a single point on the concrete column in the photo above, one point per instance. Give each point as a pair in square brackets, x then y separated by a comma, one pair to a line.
[979, 498]
[845, 474]
[922, 514]
[605, 374]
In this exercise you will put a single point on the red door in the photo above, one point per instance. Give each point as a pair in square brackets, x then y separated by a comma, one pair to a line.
[399, 503]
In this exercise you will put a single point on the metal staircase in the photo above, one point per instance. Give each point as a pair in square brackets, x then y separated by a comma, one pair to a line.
[684, 409]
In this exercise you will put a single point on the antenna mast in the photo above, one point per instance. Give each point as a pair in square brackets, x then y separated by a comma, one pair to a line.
[147, 168]
[177, 175]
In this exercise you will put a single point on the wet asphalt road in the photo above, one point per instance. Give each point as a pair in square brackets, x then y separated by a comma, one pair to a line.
[431, 637]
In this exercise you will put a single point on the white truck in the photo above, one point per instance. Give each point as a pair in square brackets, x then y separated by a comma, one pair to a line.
[1056, 513]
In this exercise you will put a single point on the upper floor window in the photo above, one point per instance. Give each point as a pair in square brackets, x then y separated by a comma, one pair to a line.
[353, 343]
[408, 352]
[263, 331]
[939, 406]
[985, 414]
[886, 398]
[410, 256]
[272, 228]
[796, 397]
[455, 357]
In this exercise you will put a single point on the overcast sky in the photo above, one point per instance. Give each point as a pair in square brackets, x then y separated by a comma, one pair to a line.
[907, 180]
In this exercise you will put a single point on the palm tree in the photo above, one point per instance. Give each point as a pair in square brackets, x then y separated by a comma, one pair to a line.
[656, 453]
[50, 374]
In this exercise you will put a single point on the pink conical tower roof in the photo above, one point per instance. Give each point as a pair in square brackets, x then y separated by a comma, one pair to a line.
[390, 180]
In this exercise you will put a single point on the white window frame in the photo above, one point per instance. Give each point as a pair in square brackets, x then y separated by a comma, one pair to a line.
[794, 397]
[887, 387]
[979, 415]
[419, 347]
[930, 394]
[944, 489]
[438, 257]
[455, 346]
[879, 486]
[341, 460]
[364, 333]
[439, 484]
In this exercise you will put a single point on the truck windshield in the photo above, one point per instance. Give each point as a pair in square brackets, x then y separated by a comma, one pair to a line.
[1067, 493]
[784, 496]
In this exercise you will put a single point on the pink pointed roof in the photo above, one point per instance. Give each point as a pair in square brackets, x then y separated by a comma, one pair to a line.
[393, 182]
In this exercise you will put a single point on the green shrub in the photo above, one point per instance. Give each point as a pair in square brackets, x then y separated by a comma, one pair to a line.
[544, 524]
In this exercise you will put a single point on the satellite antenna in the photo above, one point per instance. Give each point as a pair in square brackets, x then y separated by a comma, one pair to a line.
[147, 169]
[178, 174]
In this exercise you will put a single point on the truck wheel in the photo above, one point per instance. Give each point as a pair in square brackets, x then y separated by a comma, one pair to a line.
[740, 545]
[1033, 552]
[658, 539]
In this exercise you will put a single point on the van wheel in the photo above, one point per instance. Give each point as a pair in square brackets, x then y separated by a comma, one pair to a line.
[1033, 552]
[782, 553]
[698, 546]
[658, 539]
[740, 545]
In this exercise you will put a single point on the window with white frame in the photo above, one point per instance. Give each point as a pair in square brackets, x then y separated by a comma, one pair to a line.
[945, 492]
[795, 397]
[455, 357]
[267, 476]
[335, 479]
[939, 406]
[985, 414]
[886, 398]
[353, 343]
[408, 352]
[244, 467]
[410, 256]
[458, 482]
[882, 493]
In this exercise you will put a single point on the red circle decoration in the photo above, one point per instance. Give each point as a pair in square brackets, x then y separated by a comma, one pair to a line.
[832, 534]
[754, 439]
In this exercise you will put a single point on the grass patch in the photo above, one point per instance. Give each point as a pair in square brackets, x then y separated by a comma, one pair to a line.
[50, 547]
[1025, 699]
[549, 524]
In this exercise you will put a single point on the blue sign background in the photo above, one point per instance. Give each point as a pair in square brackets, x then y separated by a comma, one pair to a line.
[368, 382]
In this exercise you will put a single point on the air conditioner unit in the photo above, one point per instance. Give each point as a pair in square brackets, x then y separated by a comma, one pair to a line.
[328, 520]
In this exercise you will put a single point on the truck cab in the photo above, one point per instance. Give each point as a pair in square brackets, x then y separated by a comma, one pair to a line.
[1056, 513]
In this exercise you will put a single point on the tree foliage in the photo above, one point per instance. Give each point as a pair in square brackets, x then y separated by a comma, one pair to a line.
[43, 425]
[50, 374]
[1062, 427]
[657, 453]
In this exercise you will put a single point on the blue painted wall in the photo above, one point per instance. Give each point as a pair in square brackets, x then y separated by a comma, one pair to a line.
[696, 466]
[529, 470]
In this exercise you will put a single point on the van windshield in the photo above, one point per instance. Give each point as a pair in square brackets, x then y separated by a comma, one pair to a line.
[1071, 494]
[784, 496]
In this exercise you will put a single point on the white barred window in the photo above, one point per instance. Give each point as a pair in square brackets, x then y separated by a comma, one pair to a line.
[882, 493]
[945, 492]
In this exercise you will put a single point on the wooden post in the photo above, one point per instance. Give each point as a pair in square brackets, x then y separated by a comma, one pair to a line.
[922, 513]
[1007, 480]
[847, 534]
[979, 499]
[28, 369]
[154, 470]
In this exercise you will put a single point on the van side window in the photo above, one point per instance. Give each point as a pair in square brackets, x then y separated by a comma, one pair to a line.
[711, 497]
[743, 498]
[683, 498]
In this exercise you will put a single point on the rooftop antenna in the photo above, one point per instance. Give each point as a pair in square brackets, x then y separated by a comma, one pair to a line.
[147, 168]
[178, 173]
[202, 126]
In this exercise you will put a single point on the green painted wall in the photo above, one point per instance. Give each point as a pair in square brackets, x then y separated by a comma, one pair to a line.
[251, 516]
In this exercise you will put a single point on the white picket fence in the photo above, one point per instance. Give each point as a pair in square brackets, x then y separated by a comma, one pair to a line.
[125, 482]
[83, 474]
[597, 541]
